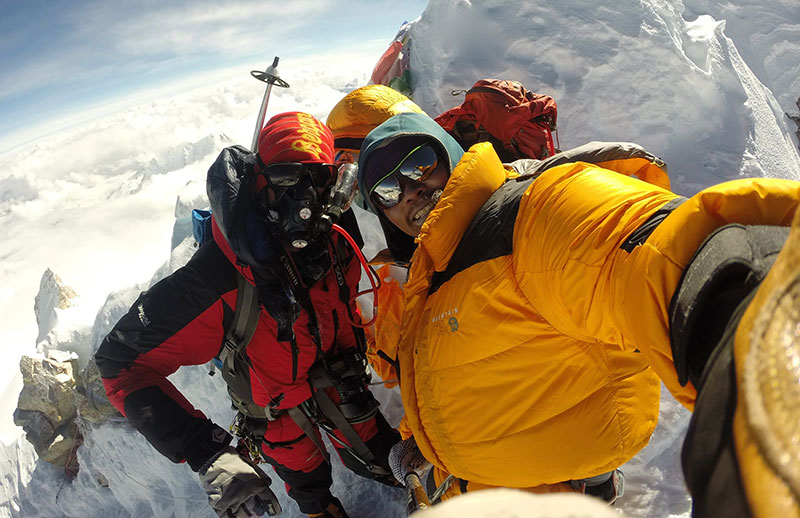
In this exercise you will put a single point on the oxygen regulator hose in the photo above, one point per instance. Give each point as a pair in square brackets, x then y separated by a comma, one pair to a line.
[374, 279]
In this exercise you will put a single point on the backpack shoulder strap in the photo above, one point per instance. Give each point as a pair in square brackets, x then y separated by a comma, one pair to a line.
[243, 326]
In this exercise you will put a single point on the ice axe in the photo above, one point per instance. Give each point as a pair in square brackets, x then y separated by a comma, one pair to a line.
[271, 77]
[407, 462]
[416, 497]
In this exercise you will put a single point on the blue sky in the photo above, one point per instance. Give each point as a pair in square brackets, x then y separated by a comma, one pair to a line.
[59, 57]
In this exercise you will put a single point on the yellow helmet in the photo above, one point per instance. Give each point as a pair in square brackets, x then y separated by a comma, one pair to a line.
[362, 110]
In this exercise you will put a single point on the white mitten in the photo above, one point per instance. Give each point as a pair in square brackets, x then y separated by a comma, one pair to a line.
[405, 458]
[237, 488]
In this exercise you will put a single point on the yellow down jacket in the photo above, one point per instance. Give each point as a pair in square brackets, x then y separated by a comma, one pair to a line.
[541, 364]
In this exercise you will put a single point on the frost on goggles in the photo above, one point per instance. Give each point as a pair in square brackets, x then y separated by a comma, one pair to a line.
[288, 174]
[418, 165]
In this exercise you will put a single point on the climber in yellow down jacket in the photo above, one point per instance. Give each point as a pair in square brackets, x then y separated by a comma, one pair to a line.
[542, 309]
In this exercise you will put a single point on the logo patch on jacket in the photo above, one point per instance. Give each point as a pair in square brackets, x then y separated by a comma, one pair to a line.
[446, 322]
[142, 316]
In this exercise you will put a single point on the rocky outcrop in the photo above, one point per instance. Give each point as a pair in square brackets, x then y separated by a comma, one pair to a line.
[58, 398]
[55, 401]
[47, 408]
[91, 400]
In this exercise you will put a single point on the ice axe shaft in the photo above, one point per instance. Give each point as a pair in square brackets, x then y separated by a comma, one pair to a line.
[416, 498]
[271, 77]
[407, 462]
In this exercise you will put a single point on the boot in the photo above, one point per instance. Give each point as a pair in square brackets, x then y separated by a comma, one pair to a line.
[610, 489]
[608, 486]
[334, 509]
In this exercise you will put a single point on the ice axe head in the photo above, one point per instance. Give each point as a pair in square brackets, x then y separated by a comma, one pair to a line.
[271, 77]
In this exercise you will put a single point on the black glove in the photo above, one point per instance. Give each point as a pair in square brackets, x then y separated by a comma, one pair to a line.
[405, 458]
[236, 488]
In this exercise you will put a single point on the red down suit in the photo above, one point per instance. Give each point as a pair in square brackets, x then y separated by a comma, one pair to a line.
[182, 320]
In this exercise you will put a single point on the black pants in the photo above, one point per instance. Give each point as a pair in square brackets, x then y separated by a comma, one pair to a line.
[310, 488]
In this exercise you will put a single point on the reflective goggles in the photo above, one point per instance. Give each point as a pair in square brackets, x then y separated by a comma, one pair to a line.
[288, 174]
[418, 165]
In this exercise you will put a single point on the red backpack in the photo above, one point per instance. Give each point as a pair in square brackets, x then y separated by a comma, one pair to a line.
[518, 122]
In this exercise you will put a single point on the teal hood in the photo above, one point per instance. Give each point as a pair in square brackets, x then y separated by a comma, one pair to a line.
[416, 126]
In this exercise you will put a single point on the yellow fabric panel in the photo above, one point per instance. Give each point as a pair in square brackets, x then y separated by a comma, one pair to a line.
[360, 111]
[455, 487]
[415, 289]
[641, 168]
[569, 229]
[588, 288]
[576, 386]
[404, 429]
[757, 201]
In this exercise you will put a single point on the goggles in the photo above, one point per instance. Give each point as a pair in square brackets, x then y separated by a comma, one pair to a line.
[288, 174]
[418, 165]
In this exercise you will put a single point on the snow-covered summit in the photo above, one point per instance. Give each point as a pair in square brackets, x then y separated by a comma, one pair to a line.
[665, 74]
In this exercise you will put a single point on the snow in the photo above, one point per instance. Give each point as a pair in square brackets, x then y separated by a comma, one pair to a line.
[104, 205]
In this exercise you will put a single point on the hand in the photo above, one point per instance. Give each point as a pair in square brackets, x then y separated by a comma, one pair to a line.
[237, 488]
[405, 458]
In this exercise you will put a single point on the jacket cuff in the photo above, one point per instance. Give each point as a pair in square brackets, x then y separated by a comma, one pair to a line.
[205, 445]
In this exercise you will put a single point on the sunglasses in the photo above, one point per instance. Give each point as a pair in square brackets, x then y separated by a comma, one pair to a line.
[418, 165]
[288, 174]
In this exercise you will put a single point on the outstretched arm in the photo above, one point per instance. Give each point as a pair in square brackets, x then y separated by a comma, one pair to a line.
[179, 321]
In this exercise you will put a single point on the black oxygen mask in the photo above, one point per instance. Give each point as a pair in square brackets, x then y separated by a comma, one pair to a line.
[294, 214]
[294, 200]
[303, 201]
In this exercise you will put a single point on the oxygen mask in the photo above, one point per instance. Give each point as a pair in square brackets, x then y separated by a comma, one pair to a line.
[303, 200]
[293, 205]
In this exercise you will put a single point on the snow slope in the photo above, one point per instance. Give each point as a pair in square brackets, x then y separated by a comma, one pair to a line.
[665, 75]
[105, 205]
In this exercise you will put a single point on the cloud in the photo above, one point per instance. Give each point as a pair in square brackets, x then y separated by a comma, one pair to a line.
[194, 28]
[98, 41]
[58, 58]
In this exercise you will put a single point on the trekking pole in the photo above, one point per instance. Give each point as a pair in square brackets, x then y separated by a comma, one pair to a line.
[271, 77]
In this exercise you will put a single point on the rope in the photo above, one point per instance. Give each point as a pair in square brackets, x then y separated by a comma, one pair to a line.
[446, 483]
[73, 453]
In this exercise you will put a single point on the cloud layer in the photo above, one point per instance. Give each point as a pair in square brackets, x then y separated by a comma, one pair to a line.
[55, 60]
